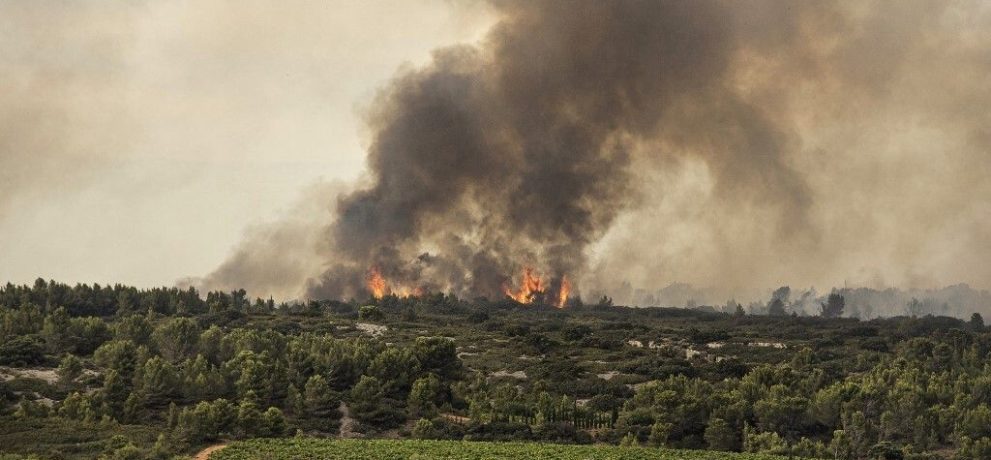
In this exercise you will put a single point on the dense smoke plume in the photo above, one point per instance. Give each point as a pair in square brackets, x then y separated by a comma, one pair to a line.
[519, 152]
[738, 145]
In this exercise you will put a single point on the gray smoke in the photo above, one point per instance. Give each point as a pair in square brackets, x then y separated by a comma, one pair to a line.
[729, 144]
[519, 152]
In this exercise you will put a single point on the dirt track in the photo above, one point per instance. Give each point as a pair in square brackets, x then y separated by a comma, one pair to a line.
[205, 453]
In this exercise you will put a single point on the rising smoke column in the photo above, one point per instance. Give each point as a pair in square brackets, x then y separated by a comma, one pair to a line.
[518, 152]
[627, 144]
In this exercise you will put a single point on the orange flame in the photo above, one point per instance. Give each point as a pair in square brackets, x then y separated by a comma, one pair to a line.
[562, 294]
[376, 283]
[379, 287]
[529, 286]
[407, 292]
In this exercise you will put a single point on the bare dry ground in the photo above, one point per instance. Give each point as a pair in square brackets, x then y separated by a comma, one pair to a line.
[205, 453]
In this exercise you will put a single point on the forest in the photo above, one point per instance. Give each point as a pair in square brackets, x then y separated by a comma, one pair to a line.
[116, 372]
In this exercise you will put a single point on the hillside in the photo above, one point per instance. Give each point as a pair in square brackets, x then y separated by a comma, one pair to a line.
[117, 371]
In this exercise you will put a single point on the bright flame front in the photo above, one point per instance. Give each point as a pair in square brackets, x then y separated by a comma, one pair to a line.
[379, 287]
[376, 283]
[562, 293]
[532, 288]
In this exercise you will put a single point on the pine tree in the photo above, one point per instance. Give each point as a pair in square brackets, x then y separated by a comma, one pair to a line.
[69, 369]
[422, 397]
[249, 418]
[274, 422]
[720, 436]
[320, 400]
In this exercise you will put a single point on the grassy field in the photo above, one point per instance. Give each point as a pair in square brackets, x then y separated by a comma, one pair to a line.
[312, 449]
[66, 439]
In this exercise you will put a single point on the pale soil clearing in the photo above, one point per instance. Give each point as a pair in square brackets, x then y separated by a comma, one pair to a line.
[373, 330]
[457, 418]
[205, 453]
[516, 375]
[9, 373]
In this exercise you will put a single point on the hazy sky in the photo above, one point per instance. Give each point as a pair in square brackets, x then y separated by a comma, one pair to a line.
[139, 139]
[737, 145]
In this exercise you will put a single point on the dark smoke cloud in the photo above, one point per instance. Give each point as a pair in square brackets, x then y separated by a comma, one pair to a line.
[729, 144]
[519, 152]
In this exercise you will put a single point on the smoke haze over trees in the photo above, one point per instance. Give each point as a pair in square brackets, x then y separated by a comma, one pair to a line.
[724, 145]
[727, 146]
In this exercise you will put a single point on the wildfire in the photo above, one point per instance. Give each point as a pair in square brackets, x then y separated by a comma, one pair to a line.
[532, 287]
[379, 287]
[407, 292]
[562, 294]
[529, 287]
[376, 283]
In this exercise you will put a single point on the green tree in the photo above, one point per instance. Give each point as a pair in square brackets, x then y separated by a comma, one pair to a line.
[368, 404]
[294, 401]
[172, 416]
[161, 450]
[159, 382]
[885, 451]
[85, 334]
[115, 391]
[659, 434]
[135, 328]
[132, 408]
[422, 398]
[439, 356]
[176, 338]
[320, 401]
[56, 330]
[273, 423]
[780, 413]
[197, 424]
[423, 429]
[118, 355]
[974, 449]
[22, 351]
[254, 376]
[249, 418]
[73, 406]
[69, 369]
[763, 443]
[396, 368]
[719, 435]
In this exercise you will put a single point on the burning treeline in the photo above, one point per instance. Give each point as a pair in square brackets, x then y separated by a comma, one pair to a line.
[729, 144]
[531, 288]
[515, 156]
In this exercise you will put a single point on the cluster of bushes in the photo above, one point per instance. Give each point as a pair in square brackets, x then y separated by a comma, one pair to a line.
[199, 370]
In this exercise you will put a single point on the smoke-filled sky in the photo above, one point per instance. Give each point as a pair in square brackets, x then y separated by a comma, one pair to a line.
[291, 147]
[139, 139]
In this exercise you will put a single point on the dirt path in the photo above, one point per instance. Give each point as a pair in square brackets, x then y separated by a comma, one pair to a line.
[457, 418]
[205, 453]
[347, 423]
